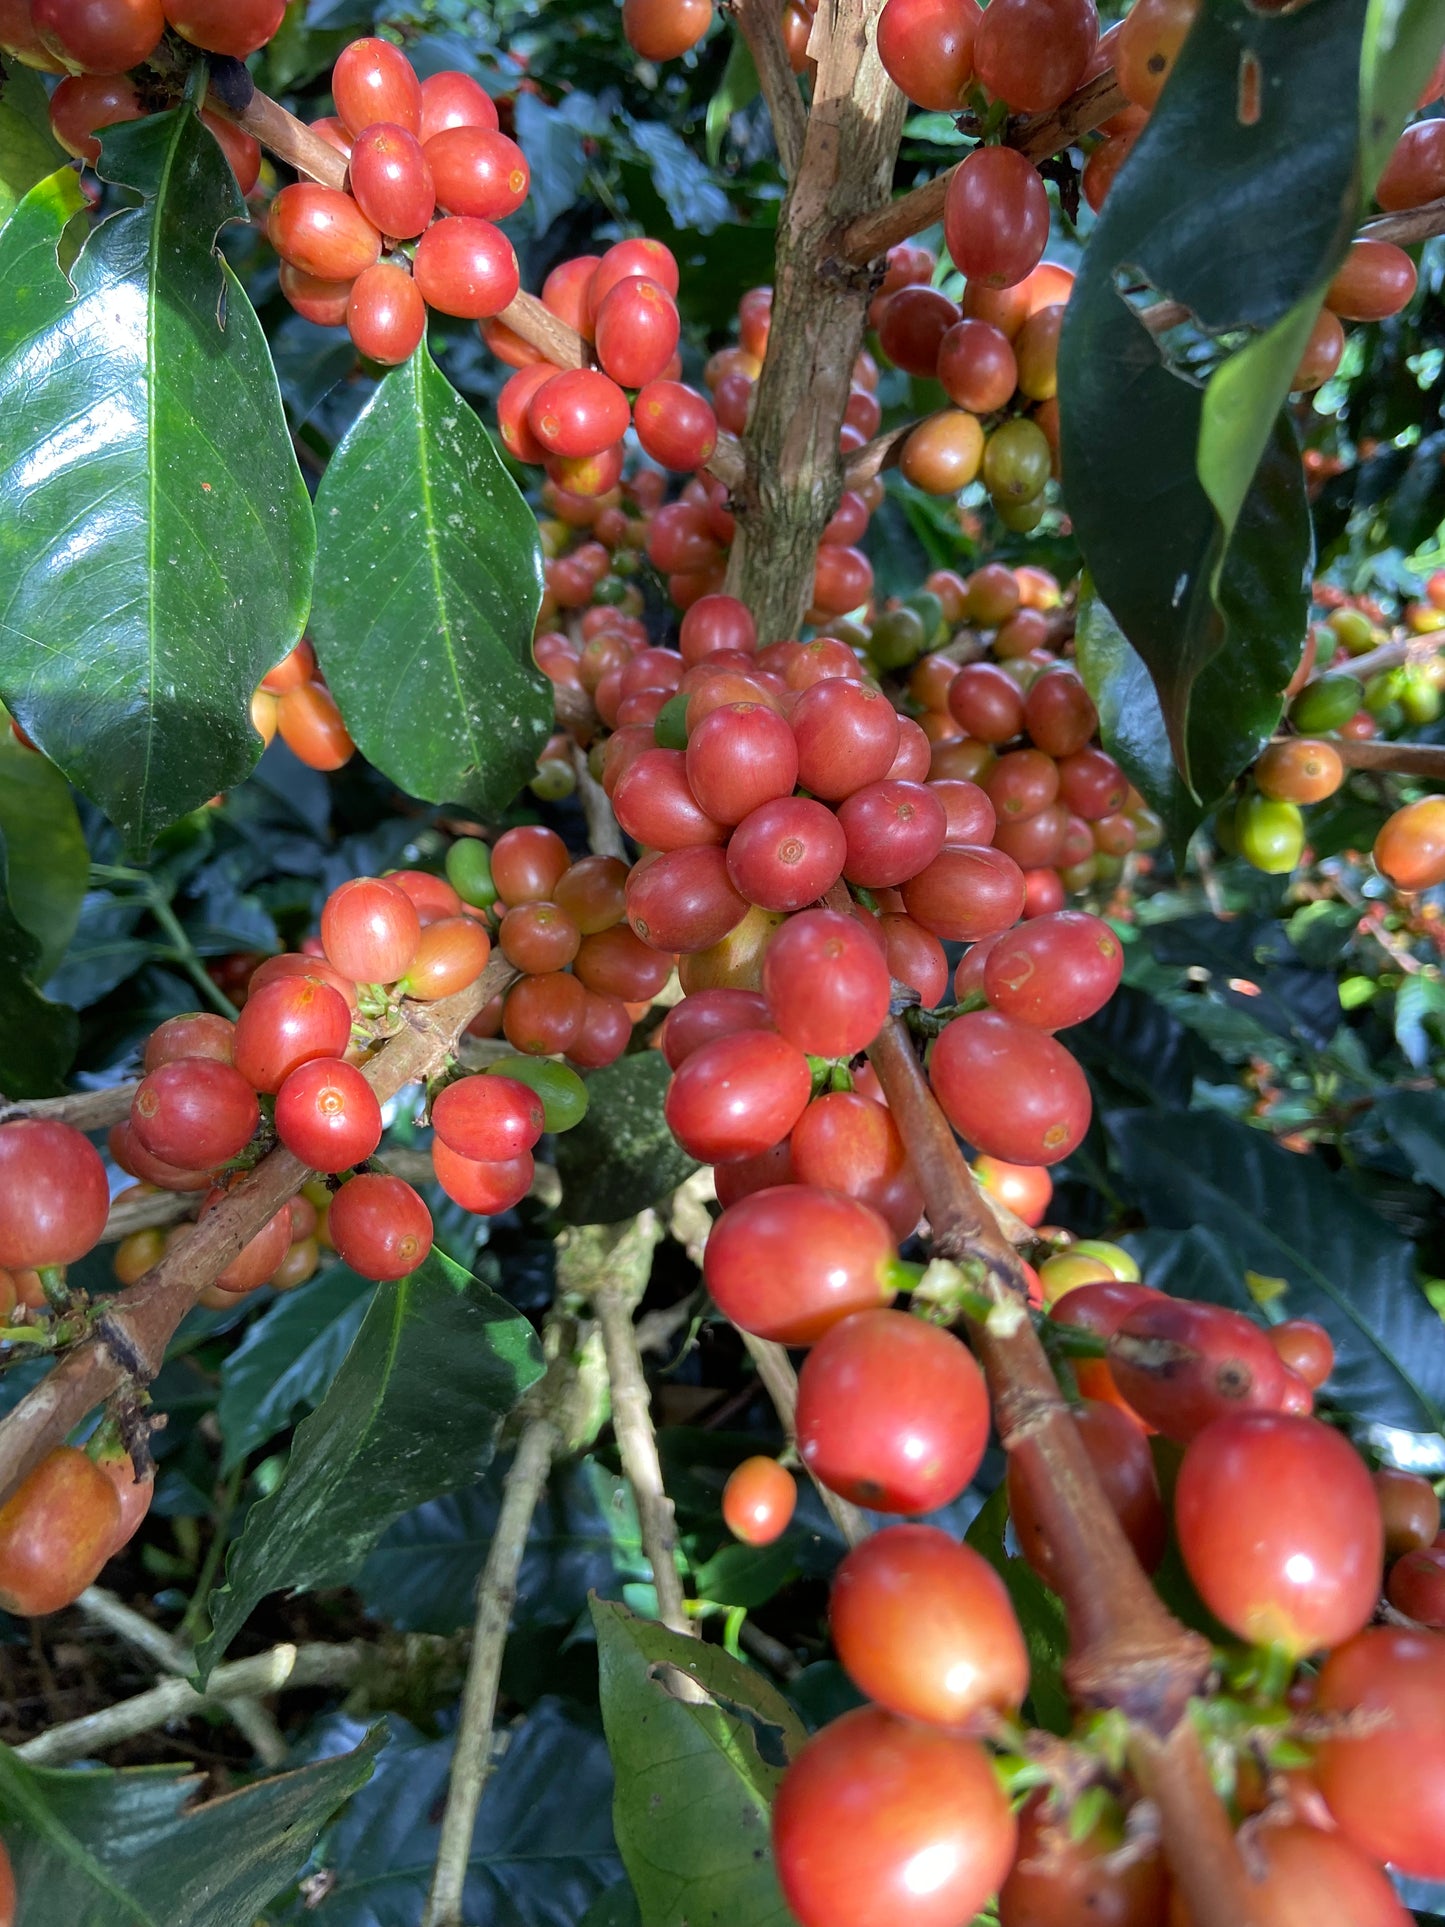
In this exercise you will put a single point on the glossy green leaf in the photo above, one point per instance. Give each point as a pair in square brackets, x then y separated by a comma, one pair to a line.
[29, 244]
[155, 533]
[1287, 1216]
[695, 1780]
[287, 1360]
[1206, 567]
[49, 863]
[1131, 723]
[28, 149]
[621, 1157]
[96, 1848]
[413, 1412]
[541, 1854]
[429, 579]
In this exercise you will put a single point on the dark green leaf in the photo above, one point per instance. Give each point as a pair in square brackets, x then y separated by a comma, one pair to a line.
[695, 1781]
[616, 1908]
[104, 951]
[49, 864]
[429, 578]
[736, 90]
[37, 1037]
[1416, 1121]
[155, 565]
[95, 1848]
[541, 1854]
[1419, 1017]
[1285, 1216]
[748, 1575]
[1131, 722]
[422, 1577]
[688, 191]
[287, 1360]
[28, 149]
[413, 1412]
[621, 1157]
[1320, 931]
[34, 284]
[552, 137]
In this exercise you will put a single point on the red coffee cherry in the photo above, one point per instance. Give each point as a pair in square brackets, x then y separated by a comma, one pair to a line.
[1385, 1785]
[286, 1023]
[826, 983]
[893, 830]
[1092, 785]
[1182, 1365]
[1103, 1876]
[708, 1014]
[1410, 848]
[101, 36]
[1376, 281]
[223, 28]
[486, 1188]
[196, 1033]
[194, 1111]
[676, 426]
[1409, 1510]
[294, 964]
[466, 267]
[1280, 1529]
[684, 900]
[328, 1115]
[54, 1198]
[370, 930]
[579, 412]
[1011, 1090]
[966, 894]
[924, 1626]
[787, 853]
[1417, 1586]
[1305, 1347]
[528, 864]
[665, 29]
[636, 331]
[543, 1016]
[1055, 971]
[758, 1501]
[83, 104]
[57, 1529]
[322, 231]
[374, 81]
[256, 1262]
[478, 171]
[379, 1226]
[1027, 1189]
[926, 47]
[740, 757]
[847, 736]
[391, 180]
[737, 1096]
[996, 217]
[881, 1820]
[489, 1119]
[789, 1262]
[892, 1413]
[453, 99]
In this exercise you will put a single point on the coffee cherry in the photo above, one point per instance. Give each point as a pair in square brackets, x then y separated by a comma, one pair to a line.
[1147, 45]
[892, 1412]
[924, 1626]
[286, 1023]
[54, 1198]
[1280, 1530]
[1299, 771]
[452, 954]
[1092, 785]
[665, 29]
[966, 894]
[1025, 1188]
[1410, 848]
[845, 1142]
[893, 830]
[736, 1096]
[57, 1529]
[328, 1115]
[911, 328]
[477, 172]
[194, 1111]
[1054, 972]
[197, 1033]
[322, 231]
[379, 1226]
[579, 412]
[786, 854]
[292, 964]
[1270, 835]
[370, 930]
[636, 331]
[1416, 1586]
[708, 1014]
[488, 1119]
[826, 983]
[543, 1016]
[1034, 53]
[1383, 1775]
[255, 1263]
[466, 267]
[1305, 1347]
[132, 1157]
[758, 1501]
[996, 217]
[675, 425]
[1415, 171]
[881, 1820]
[311, 727]
[684, 900]
[789, 1262]
[538, 937]
[926, 46]
[391, 180]
[1061, 1874]
[847, 737]
[1121, 1457]
[1182, 1365]
[452, 99]
[738, 758]
[1011, 1090]
[484, 1188]
[224, 28]
[374, 81]
[1376, 281]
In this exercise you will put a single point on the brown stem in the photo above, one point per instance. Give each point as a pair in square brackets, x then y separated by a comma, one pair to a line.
[129, 1339]
[1405, 759]
[1411, 224]
[1125, 1650]
[794, 473]
[760, 22]
[1036, 135]
[86, 1110]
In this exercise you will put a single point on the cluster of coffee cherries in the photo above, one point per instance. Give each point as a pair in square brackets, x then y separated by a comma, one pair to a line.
[292, 701]
[429, 176]
[896, 1809]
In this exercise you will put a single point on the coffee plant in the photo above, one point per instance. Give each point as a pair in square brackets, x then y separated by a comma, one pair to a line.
[722, 900]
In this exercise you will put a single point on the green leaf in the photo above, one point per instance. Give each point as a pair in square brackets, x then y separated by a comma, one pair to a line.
[95, 1848]
[737, 89]
[541, 1854]
[28, 149]
[422, 1576]
[37, 1037]
[621, 1157]
[429, 579]
[1131, 723]
[29, 244]
[155, 533]
[49, 863]
[695, 1781]
[287, 1360]
[1286, 1216]
[413, 1412]
[1414, 1120]
[1206, 567]
[1040, 1615]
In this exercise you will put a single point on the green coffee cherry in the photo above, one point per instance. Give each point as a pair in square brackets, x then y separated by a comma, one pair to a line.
[1271, 834]
[469, 872]
[554, 780]
[1325, 704]
[563, 1094]
[1355, 630]
[898, 638]
[1017, 462]
[669, 731]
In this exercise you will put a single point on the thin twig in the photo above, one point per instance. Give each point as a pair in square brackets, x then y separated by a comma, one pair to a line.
[775, 1369]
[283, 1668]
[86, 1110]
[760, 22]
[1404, 759]
[604, 838]
[496, 1596]
[1411, 224]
